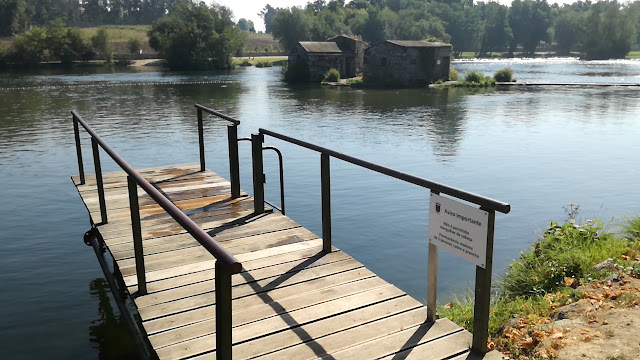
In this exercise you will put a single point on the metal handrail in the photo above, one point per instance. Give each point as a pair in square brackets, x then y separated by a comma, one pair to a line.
[483, 201]
[200, 235]
[483, 275]
[218, 114]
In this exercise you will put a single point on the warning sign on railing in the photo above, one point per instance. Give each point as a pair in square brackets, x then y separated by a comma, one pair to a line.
[459, 228]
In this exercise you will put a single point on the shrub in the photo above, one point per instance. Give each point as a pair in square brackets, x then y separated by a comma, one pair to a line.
[454, 75]
[263, 63]
[504, 75]
[245, 62]
[356, 83]
[297, 71]
[474, 76]
[332, 76]
[134, 45]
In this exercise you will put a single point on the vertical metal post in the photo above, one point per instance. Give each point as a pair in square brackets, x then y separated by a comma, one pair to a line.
[258, 172]
[100, 185]
[325, 184]
[137, 235]
[432, 280]
[483, 293]
[201, 140]
[432, 283]
[224, 340]
[234, 162]
[76, 132]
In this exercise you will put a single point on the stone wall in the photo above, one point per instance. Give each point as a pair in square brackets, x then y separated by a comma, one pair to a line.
[387, 64]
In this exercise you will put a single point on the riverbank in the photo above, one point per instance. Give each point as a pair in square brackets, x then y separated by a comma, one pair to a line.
[574, 294]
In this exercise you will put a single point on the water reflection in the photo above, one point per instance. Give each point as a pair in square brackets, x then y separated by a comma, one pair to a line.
[108, 333]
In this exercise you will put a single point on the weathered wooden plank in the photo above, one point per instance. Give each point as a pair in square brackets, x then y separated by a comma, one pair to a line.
[208, 312]
[245, 285]
[276, 324]
[253, 308]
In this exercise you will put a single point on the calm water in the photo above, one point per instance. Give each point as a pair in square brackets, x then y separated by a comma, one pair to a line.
[536, 148]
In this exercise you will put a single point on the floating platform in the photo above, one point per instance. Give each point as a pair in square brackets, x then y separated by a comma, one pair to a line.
[291, 300]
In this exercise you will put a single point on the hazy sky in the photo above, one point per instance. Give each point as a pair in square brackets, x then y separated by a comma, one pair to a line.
[249, 9]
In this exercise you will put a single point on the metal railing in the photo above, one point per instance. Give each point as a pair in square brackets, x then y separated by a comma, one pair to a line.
[225, 265]
[232, 136]
[483, 275]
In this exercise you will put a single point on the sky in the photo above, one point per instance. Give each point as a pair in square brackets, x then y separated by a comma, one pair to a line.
[249, 9]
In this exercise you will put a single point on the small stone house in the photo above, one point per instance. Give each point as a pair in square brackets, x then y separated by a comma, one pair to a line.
[406, 63]
[343, 53]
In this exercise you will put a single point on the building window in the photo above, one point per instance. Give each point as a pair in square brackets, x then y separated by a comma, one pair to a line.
[383, 61]
[438, 62]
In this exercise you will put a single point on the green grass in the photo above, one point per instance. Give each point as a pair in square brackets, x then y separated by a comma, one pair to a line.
[504, 75]
[267, 62]
[633, 55]
[119, 33]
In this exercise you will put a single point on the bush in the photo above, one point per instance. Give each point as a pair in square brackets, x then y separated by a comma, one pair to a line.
[356, 83]
[454, 75]
[245, 62]
[474, 76]
[263, 64]
[102, 45]
[504, 75]
[297, 71]
[134, 45]
[332, 76]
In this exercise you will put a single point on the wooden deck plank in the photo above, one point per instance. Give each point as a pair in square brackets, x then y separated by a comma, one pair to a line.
[290, 301]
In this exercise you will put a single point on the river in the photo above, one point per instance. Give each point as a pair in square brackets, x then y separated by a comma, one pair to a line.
[537, 148]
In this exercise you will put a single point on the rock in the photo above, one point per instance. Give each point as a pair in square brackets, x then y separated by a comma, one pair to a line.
[566, 312]
[605, 265]
[613, 278]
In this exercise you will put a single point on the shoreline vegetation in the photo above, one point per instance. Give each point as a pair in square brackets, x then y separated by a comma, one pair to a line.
[572, 266]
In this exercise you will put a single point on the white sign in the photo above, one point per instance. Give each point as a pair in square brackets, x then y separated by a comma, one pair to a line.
[460, 229]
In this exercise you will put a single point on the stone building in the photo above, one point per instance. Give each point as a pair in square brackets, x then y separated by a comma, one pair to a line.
[343, 53]
[406, 63]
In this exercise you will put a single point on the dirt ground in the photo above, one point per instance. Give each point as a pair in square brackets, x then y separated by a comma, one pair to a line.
[605, 325]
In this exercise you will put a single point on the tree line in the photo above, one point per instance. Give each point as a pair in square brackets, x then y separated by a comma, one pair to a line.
[17, 16]
[599, 30]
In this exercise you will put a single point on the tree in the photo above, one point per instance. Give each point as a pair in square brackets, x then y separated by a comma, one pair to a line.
[246, 25]
[29, 47]
[66, 44]
[134, 45]
[529, 21]
[291, 26]
[268, 14]
[101, 44]
[196, 36]
[13, 17]
[607, 31]
[496, 33]
[564, 30]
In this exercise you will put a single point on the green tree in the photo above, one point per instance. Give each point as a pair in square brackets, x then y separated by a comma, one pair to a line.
[13, 17]
[564, 30]
[496, 33]
[134, 45]
[66, 44]
[101, 44]
[196, 36]
[246, 25]
[529, 21]
[268, 14]
[29, 47]
[607, 31]
[291, 26]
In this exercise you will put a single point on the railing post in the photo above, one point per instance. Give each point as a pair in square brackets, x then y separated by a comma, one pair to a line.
[137, 235]
[76, 132]
[234, 162]
[224, 340]
[432, 280]
[483, 293]
[100, 185]
[201, 139]
[325, 178]
[258, 172]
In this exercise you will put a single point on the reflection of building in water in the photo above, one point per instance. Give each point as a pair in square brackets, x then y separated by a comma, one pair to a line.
[109, 333]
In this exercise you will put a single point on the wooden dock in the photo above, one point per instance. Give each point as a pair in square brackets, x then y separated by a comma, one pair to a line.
[291, 300]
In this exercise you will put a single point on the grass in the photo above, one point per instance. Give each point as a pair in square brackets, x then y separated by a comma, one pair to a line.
[504, 75]
[265, 62]
[120, 33]
[475, 78]
[633, 55]
[545, 276]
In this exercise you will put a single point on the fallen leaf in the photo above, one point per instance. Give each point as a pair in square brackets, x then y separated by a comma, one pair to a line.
[449, 305]
[624, 257]
[571, 282]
